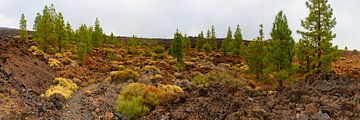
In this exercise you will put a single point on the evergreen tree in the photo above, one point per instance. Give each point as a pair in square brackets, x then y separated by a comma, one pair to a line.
[207, 46]
[281, 44]
[62, 36]
[200, 40]
[280, 48]
[238, 45]
[23, 32]
[317, 36]
[83, 42]
[213, 40]
[70, 33]
[255, 56]
[98, 34]
[112, 39]
[186, 42]
[226, 44]
[133, 41]
[177, 47]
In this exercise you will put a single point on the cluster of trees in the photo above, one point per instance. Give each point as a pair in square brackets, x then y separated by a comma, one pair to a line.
[206, 44]
[53, 35]
[233, 45]
[314, 52]
[179, 46]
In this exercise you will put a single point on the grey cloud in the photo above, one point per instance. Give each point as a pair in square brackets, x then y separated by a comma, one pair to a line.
[160, 18]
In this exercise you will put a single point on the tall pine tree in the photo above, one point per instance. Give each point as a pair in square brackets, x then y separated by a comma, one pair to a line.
[98, 34]
[238, 45]
[23, 32]
[280, 49]
[281, 45]
[213, 40]
[255, 56]
[200, 41]
[62, 36]
[226, 44]
[177, 47]
[315, 45]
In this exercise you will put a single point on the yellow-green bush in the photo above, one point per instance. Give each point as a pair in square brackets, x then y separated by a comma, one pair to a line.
[124, 76]
[54, 62]
[150, 70]
[36, 51]
[136, 99]
[205, 80]
[65, 87]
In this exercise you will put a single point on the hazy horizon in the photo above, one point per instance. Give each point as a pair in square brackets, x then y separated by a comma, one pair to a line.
[160, 18]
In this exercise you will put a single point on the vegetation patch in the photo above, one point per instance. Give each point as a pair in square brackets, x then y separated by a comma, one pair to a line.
[138, 99]
[65, 87]
[213, 77]
[124, 76]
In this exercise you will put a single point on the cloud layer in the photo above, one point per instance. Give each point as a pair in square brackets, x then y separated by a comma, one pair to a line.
[160, 18]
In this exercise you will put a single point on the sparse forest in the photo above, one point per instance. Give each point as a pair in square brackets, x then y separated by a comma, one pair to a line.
[55, 71]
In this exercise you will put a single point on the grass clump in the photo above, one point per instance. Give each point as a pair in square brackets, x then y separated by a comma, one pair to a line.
[65, 87]
[210, 78]
[54, 63]
[36, 51]
[124, 76]
[137, 99]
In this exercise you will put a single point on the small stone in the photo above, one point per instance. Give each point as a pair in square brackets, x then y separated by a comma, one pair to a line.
[97, 110]
[179, 75]
[109, 115]
[321, 116]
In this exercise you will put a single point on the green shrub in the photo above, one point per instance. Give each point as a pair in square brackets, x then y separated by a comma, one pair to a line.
[179, 66]
[207, 47]
[147, 53]
[112, 56]
[136, 99]
[158, 56]
[124, 76]
[207, 79]
[158, 49]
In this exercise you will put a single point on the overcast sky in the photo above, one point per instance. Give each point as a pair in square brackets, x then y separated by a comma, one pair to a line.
[160, 18]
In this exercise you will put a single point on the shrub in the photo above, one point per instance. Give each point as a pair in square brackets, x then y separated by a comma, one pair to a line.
[150, 70]
[65, 87]
[147, 53]
[158, 56]
[54, 63]
[158, 49]
[35, 51]
[124, 76]
[112, 56]
[179, 66]
[210, 78]
[207, 47]
[136, 99]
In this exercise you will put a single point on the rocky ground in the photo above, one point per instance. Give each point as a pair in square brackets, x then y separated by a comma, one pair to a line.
[24, 77]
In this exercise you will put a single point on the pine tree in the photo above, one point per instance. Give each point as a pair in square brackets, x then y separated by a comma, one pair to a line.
[200, 40]
[280, 48]
[133, 41]
[112, 39]
[83, 42]
[62, 36]
[238, 45]
[23, 32]
[186, 42]
[207, 46]
[177, 47]
[255, 56]
[226, 44]
[213, 40]
[281, 44]
[315, 44]
[70, 33]
[98, 34]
